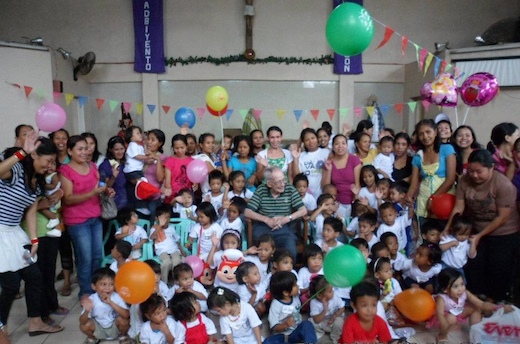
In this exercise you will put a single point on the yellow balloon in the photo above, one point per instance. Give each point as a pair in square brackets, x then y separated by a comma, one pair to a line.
[217, 98]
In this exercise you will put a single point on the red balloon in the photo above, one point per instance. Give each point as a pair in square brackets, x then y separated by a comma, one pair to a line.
[217, 113]
[442, 206]
[415, 304]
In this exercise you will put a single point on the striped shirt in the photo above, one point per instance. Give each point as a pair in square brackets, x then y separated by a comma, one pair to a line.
[15, 197]
[265, 204]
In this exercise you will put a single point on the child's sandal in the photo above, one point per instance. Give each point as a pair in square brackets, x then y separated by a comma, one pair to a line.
[124, 340]
[441, 340]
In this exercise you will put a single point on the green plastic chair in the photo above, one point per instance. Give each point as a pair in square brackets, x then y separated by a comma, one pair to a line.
[182, 227]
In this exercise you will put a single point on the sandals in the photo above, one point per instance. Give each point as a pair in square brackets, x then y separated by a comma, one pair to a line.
[92, 341]
[124, 340]
[65, 291]
[61, 311]
[441, 340]
[46, 330]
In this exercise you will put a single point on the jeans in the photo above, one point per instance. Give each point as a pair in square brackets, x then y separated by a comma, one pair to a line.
[66, 251]
[47, 254]
[303, 333]
[283, 237]
[445, 266]
[10, 283]
[87, 238]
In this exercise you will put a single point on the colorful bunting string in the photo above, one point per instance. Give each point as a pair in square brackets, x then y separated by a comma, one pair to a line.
[257, 114]
[151, 108]
[426, 104]
[139, 108]
[399, 107]
[280, 113]
[298, 114]
[243, 113]
[343, 113]
[82, 100]
[370, 110]
[229, 112]
[331, 113]
[166, 108]
[201, 111]
[112, 104]
[99, 103]
[357, 112]
[68, 98]
[28, 91]
[404, 44]
[388, 34]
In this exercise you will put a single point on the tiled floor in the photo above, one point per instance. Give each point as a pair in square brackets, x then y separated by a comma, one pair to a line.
[18, 323]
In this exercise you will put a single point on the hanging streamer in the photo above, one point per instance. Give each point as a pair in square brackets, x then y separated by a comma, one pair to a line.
[404, 44]
[315, 114]
[388, 34]
[298, 114]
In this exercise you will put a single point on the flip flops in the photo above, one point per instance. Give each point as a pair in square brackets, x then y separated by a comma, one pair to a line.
[46, 330]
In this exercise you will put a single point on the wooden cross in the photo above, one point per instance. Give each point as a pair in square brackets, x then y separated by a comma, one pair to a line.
[249, 13]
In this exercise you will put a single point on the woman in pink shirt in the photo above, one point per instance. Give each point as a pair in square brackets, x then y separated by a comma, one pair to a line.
[81, 210]
[503, 137]
[342, 170]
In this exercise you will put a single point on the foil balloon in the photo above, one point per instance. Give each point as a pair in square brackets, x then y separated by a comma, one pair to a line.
[444, 90]
[479, 89]
[426, 92]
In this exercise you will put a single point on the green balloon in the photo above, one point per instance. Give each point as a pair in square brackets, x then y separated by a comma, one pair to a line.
[349, 29]
[344, 266]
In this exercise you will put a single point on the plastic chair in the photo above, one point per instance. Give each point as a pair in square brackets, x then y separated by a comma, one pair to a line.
[182, 227]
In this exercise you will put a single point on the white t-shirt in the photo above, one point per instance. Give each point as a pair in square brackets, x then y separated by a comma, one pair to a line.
[279, 311]
[242, 328]
[371, 196]
[113, 266]
[134, 238]
[353, 226]
[210, 326]
[318, 225]
[398, 228]
[288, 158]
[343, 293]
[149, 336]
[399, 260]
[456, 256]
[396, 289]
[372, 242]
[245, 294]
[165, 292]
[335, 304]
[384, 163]
[304, 277]
[204, 236]
[309, 202]
[132, 164]
[198, 287]
[236, 224]
[311, 165]
[321, 243]
[102, 312]
[412, 271]
[262, 267]
[204, 186]
[246, 193]
[169, 244]
[183, 211]
[216, 201]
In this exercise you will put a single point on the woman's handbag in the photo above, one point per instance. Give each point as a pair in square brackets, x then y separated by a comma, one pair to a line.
[108, 207]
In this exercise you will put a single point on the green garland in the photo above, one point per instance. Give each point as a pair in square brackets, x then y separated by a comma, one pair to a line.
[226, 60]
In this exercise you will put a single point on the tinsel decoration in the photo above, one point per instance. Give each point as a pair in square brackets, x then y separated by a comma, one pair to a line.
[226, 60]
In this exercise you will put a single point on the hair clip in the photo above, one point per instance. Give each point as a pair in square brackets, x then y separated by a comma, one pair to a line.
[220, 291]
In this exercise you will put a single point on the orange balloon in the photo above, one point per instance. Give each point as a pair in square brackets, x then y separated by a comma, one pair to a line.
[415, 304]
[135, 282]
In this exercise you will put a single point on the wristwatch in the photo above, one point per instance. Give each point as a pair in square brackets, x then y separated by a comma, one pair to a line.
[290, 218]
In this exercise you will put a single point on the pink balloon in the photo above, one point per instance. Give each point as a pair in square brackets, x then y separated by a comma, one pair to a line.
[426, 92]
[50, 117]
[196, 265]
[197, 171]
[479, 89]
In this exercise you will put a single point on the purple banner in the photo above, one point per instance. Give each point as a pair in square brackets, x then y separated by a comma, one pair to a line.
[148, 32]
[347, 64]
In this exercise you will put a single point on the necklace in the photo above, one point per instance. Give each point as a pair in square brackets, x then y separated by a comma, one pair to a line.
[236, 316]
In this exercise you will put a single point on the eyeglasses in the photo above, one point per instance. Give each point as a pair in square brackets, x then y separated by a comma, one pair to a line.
[279, 182]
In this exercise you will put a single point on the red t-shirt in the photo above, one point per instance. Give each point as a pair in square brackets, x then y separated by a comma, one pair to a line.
[179, 179]
[354, 333]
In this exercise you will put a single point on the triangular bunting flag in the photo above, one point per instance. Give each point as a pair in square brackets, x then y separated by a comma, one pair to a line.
[280, 113]
[151, 108]
[28, 90]
[388, 34]
[331, 113]
[40, 93]
[404, 44]
[112, 104]
[417, 48]
[99, 103]
[448, 67]
[422, 55]
[166, 108]
[257, 114]
[412, 106]
[358, 111]
[243, 113]
[426, 104]
[229, 112]
[436, 68]
[428, 62]
[298, 114]
[201, 111]
[68, 98]
[370, 110]
[315, 114]
[17, 85]
[399, 107]
[56, 96]
[443, 66]
[384, 109]
[343, 113]
[82, 100]
[457, 74]
[139, 108]
[127, 106]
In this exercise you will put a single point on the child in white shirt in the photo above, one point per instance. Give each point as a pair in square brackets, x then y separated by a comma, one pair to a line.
[393, 223]
[367, 227]
[204, 229]
[358, 209]
[325, 210]
[120, 253]
[187, 311]
[237, 181]
[159, 328]
[234, 207]
[261, 255]
[301, 183]
[183, 205]
[332, 228]
[131, 232]
[250, 287]
[215, 196]
[392, 243]
[367, 194]
[384, 161]
[184, 281]
[327, 309]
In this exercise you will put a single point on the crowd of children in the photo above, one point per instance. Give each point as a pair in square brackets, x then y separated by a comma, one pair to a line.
[401, 250]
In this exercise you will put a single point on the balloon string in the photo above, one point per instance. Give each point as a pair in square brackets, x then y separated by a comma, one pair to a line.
[135, 327]
[457, 116]
[221, 127]
[312, 297]
[466, 115]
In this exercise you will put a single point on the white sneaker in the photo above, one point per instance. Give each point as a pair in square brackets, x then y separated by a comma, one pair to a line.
[54, 233]
[53, 223]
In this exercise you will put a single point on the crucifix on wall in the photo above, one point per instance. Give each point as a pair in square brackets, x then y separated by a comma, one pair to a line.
[249, 13]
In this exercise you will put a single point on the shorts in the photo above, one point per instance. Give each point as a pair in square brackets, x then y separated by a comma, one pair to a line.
[134, 175]
[408, 282]
[106, 333]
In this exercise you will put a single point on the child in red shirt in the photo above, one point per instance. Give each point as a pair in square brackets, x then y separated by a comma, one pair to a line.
[364, 326]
